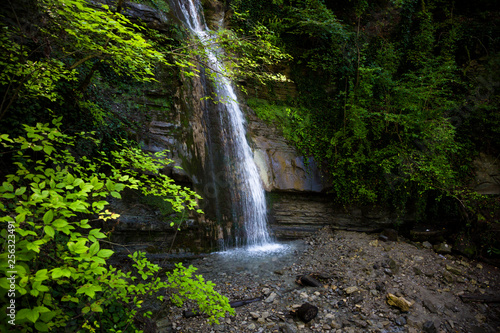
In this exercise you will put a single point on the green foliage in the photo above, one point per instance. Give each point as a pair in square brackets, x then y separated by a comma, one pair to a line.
[104, 34]
[377, 99]
[81, 34]
[189, 287]
[62, 279]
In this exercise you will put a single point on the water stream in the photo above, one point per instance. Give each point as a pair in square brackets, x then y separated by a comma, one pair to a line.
[248, 203]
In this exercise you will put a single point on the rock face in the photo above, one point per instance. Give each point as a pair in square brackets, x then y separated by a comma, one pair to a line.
[295, 215]
[181, 124]
[281, 167]
[487, 180]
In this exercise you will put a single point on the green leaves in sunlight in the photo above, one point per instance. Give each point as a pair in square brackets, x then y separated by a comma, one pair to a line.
[63, 280]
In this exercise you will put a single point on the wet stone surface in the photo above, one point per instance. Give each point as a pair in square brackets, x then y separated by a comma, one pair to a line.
[357, 271]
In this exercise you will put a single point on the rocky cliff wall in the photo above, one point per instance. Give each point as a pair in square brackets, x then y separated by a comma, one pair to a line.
[295, 188]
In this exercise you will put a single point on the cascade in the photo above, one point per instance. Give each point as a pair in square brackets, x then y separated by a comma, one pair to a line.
[241, 177]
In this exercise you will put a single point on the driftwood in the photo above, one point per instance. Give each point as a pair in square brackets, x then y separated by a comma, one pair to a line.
[480, 298]
[308, 280]
[233, 304]
[306, 312]
[311, 279]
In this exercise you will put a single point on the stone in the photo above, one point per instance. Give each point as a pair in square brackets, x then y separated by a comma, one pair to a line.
[487, 169]
[398, 302]
[429, 327]
[427, 245]
[271, 298]
[255, 315]
[288, 328]
[400, 321]
[358, 299]
[351, 290]
[453, 269]
[389, 235]
[251, 327]
[429, 305]
[442, 248]
[448, 277]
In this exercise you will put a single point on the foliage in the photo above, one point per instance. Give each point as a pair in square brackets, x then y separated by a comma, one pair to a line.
[79, 38]
[61, 275]
[379, 89]
[104, 34]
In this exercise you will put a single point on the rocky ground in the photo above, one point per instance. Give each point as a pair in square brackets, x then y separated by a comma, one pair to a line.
[360, 273]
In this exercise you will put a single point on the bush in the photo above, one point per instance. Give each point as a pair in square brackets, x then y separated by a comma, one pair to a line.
[54, 268]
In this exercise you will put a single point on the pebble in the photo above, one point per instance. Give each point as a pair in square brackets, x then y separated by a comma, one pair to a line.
[271, 298]
[351, 290]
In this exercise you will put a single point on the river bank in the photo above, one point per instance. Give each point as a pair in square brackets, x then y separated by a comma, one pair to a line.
[358, 273]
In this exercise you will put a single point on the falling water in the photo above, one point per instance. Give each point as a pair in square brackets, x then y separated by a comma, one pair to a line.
[249, 205]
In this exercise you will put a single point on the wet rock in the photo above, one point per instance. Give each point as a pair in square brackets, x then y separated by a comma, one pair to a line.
[251, 327]
[442, 248]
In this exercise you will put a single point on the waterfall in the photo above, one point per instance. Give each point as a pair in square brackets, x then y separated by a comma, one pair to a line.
[248, 204]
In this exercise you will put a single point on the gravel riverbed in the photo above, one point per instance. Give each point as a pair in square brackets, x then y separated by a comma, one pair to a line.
[358, 272]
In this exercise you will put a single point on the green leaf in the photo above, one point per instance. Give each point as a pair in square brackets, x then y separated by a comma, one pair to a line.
[48, 217]
[116, 195]
[49, 231]
[48, 149]
[60, 223]
[41, 326]
[7, 186]
[58, 272]
[21, 190]
[95, 307]
[94, 248]
[21, 217]
[31, 314]
[105, 253]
